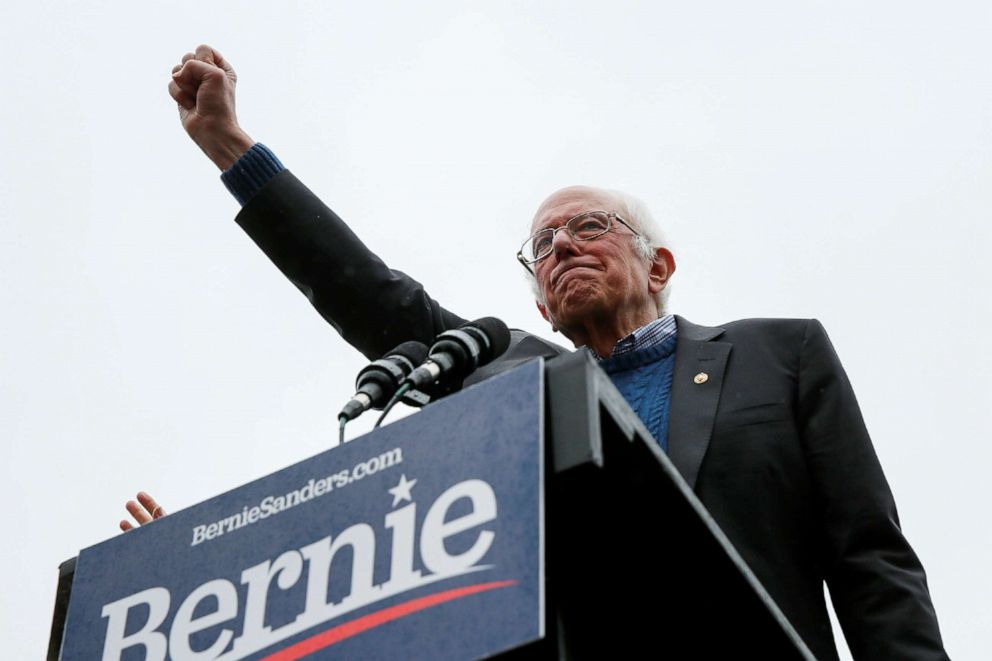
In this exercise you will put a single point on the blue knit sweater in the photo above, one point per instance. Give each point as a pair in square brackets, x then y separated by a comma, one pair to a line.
[644, 378]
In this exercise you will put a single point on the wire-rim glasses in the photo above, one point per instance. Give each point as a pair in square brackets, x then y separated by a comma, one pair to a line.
[583, 227]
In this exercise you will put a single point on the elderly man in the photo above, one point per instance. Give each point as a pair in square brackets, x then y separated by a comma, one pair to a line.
[757, 415]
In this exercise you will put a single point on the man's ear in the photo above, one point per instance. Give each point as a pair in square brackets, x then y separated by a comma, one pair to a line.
[544, 313]
[662, 269]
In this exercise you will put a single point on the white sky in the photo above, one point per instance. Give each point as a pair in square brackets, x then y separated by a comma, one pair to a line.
[807, 159]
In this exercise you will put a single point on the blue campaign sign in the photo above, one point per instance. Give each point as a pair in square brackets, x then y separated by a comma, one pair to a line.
[422, 540]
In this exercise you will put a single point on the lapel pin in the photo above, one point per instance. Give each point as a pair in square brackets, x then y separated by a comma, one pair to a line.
[702, 377]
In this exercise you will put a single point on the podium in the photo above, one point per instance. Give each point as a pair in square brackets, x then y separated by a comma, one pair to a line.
[531, 516]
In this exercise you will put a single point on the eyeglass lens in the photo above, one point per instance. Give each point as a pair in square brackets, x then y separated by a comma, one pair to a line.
[584, 227]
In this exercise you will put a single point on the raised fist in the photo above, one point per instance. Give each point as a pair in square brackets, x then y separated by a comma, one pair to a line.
[203, 86]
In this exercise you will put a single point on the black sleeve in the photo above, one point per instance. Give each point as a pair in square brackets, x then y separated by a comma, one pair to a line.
[373, 307]
[877, 584]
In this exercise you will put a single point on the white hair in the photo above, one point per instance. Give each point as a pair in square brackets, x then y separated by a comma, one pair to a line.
[649, 238]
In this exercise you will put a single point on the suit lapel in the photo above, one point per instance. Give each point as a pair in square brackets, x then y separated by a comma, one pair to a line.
[693, 406]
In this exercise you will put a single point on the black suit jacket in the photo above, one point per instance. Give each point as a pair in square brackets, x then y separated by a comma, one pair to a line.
[772, 442]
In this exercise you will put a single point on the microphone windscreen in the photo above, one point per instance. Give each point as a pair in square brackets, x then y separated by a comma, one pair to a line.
[498, 334]
[415, 352]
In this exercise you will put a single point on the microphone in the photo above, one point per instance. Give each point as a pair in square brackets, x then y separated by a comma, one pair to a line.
[379, 380]
[457, 353]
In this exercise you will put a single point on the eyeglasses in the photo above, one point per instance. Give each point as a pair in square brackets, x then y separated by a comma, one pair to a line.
[584, 227]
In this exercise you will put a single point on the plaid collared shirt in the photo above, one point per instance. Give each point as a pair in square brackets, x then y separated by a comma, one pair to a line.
[646, 336]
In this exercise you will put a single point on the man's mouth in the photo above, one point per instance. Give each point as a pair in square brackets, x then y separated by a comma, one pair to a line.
[571, 271]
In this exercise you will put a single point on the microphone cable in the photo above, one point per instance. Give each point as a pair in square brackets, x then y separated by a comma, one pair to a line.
[402, 390]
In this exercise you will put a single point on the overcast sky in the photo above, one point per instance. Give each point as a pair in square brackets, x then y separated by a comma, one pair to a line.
[808, 159]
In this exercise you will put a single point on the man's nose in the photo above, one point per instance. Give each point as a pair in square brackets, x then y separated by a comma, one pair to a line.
[563, 242]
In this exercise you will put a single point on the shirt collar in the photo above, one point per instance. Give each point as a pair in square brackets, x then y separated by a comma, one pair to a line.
[645, 337]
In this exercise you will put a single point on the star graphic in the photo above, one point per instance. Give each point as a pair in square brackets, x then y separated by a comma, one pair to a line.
[401, 491]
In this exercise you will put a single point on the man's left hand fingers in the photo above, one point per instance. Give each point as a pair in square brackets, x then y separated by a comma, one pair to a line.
[138, 512]
[151, 505]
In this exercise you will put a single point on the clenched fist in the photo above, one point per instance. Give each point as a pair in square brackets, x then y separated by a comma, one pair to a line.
[203, 86]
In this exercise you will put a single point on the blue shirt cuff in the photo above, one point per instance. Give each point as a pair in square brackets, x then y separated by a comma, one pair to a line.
[251, 172]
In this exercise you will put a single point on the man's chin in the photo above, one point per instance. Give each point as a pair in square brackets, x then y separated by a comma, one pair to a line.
[576, 308]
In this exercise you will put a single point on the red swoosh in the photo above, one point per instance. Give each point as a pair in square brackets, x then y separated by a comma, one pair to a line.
[378, 618]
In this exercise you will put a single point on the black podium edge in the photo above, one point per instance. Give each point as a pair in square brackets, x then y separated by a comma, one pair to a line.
[66, 571]
[576, 379]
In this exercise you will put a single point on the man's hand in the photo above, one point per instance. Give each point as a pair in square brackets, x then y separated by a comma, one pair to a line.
[144, 511]
[203, 86]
